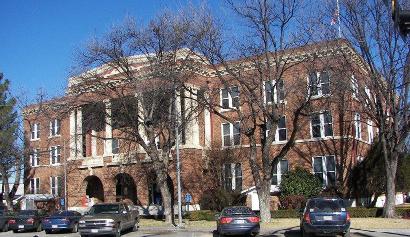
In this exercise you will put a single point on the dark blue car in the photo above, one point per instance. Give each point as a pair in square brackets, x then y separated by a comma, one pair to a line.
[325, 216]
[237, 220]
[62, 220]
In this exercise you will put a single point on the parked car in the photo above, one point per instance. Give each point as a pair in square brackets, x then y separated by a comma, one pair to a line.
[62, 220]
[325, 216]
[27, 220]
[4, 220]
[135, 212]
[108, 219]
[237, 220]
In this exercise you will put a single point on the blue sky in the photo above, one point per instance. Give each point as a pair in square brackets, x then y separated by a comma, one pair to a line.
[38, 38]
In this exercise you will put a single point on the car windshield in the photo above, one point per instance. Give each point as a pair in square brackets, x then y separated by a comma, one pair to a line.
[232, 211]
[325, 205]
[97, 209]
[63, 213]
[27, 213]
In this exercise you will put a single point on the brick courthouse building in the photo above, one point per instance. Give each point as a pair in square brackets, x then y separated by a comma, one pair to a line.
[98, 165]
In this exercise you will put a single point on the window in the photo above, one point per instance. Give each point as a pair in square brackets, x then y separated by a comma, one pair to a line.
[230, 97]
[370, 132]
[322, 124]
[368, 95]
[115, 146]
[35, 131]
[319, 83]
[357, 126]
[274, 91]
[55, 155]
[281, 133]
[324, 167]
[231, 134]
[232, 176]
[34, 158]
[54, 127]
[35, 185]
[56, 184]
[279, 170]
[355, 87]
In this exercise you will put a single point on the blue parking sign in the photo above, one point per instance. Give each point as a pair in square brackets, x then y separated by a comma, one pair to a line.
[188, 198]
[62, 201]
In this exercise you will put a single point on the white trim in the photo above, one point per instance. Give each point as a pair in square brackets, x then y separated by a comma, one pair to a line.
[230, 98]
[357, 126]
[370, 131]
[355, 87]
[231, 134]
[318, 85]
[321, 124]
[324, 168]
[35, 132]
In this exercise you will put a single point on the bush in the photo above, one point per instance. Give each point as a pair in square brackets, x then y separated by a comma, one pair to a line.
[300, 182]
[289, 213]
[206, 215]
[363, 212]
[217, 199]
[293, 202]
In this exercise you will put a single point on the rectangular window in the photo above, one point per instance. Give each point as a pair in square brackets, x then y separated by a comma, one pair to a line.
[324, 167]
[54, 127]
[370, 132]
[322, 124]
[34, 158]
[368, 95]
[55, 155]
[232, 176]
[357, 126]
[35, 185]
[274, 91]
[355, 87]
[35, 131]
[279, 170]
[319, 83]
[56, 185]
[115, 146]
[281, 133]
[230, 97]
[231, 135]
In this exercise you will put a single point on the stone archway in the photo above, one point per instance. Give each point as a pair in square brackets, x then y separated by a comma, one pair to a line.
[125, 188]
[94, 187]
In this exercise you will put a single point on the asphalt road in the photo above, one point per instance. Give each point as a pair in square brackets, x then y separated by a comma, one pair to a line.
[274, 233]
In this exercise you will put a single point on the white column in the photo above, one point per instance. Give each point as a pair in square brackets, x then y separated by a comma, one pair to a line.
[108, 129]
[208, 128]
[141, 130]
[93, 143]
[192, 124]
[72, 145]
[79, 134]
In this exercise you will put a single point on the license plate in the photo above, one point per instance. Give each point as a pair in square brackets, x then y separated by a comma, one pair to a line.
[327, 218]
[240, 221]
[54, 226]
[94, 231]
[21, 226]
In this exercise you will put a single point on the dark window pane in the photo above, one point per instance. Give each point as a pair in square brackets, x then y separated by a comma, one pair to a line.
[315, 119]
[327, 117]
[317, 164]
[328, 130]
[237, 139]
[226, 129]
[330, 163]
[274, 179]
[224, 93]
[235, 102]
[227, 140]
[282, 135]
[225, 103]
[325, 83]
[313, 83]
[282, 122]
[320, 176]
[331, 178]
[284, 166]
[316, 131]
[268, 91]
[281, 90]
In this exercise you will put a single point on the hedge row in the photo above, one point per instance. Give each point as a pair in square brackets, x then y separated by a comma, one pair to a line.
[355, 212]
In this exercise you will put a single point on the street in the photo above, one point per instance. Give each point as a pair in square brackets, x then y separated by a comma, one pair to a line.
[291, 232]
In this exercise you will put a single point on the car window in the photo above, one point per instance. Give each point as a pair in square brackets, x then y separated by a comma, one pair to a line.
[325, 205]
[231, 211]
[97, 209]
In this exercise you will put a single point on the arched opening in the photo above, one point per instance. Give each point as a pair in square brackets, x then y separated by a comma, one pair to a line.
[125, 188]
[154, 192]
[94, 188]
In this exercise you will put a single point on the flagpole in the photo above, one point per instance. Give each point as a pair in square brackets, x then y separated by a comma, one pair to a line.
[338, 18]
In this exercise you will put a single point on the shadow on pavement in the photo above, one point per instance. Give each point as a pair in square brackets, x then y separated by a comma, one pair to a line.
[288, 232]
[382, 232]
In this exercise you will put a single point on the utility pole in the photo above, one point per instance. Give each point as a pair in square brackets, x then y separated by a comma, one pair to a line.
[65, 177]
[177, 157]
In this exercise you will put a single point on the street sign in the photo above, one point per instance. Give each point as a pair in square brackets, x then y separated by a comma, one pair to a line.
[188, 198]
[62, 202]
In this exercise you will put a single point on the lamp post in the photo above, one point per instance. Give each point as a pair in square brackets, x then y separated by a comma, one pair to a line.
[177, 157]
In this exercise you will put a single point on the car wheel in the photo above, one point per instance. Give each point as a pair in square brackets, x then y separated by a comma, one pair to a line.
[347, 234]
[15, 231]
[5, 227]
[48, 231]
[83, 235]
[75, 228]
[304, 233]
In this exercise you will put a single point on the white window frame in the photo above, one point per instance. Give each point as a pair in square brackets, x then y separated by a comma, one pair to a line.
[368, 95]
[278, 173]
[322, 124]
[229, 98]
[355, 87]
[370, 131]
[112, 146]
[56, 188]
[231, 134]
[55, 155]
[275, 92]
[318, 85]
[34, 158]
[324, 168]
[357, 126]
[277, 132]
[234, 175]
[35, 189]
[55, 126]
[35, 132]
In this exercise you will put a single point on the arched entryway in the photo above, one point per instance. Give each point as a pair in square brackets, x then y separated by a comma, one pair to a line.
[94, 187]
[154, 191]
[125, 188]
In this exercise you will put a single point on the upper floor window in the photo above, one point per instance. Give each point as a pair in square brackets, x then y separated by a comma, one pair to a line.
[370, 132]
[355, 87]
[319, 83]
[281, 133]
[368, 95]
[322, 124]
[279, 171]
[324, 167]
[274, 91]
[55, 155]
[115, 146]
[35, 185]
[357, 126]
[56, 185]
[231, 134]
[232, 176]
[35, 131]
[34, 158]
[55, 127]
[230, 97]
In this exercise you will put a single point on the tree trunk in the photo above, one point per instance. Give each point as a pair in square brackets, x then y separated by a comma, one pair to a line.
[166, 195]
[264, 202]
[6, 189]
[389, 205]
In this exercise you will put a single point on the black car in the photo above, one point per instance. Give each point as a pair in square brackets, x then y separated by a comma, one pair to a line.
[62, 220]
[325, 216]
[26, 220]
[237, 220]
